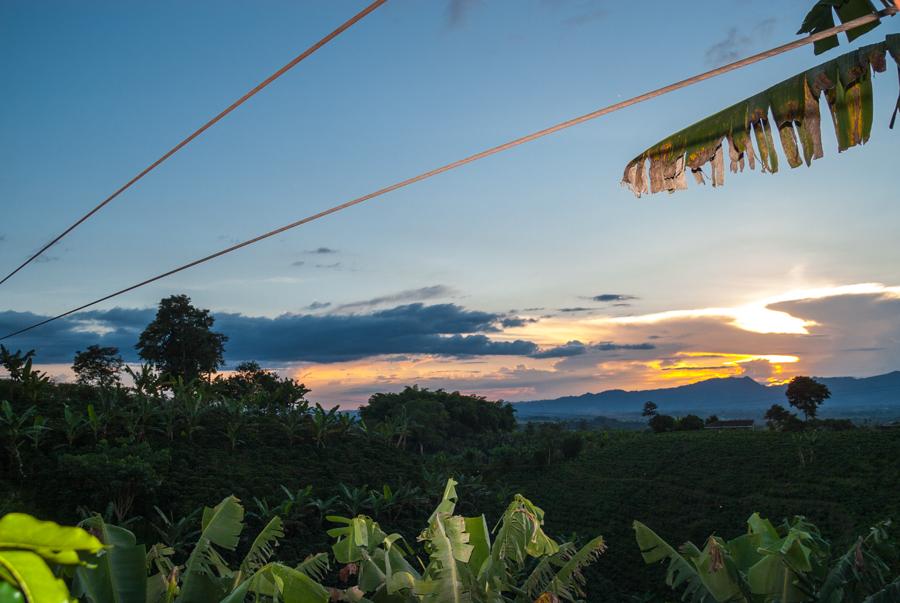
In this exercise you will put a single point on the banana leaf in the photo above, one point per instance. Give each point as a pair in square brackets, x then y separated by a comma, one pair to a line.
[821, 17]
[117, 574]
[791, 107]
[53, 542]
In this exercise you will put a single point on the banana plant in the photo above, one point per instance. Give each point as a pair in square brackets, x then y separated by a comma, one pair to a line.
[354, 500]
[32, 555]
[33, 382]
[292, 421]
[190, 404]
[324, 423]
[235, 419]
[791, 107]
[14, 430]
[118, 574]
[789, 564]
[294, 503]
[463, 564]
[73, 424]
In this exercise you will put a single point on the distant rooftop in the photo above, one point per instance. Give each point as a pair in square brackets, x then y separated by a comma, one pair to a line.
[731, 424]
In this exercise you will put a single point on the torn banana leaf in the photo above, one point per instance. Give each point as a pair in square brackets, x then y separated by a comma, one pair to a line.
[791, 108]
[821, 17]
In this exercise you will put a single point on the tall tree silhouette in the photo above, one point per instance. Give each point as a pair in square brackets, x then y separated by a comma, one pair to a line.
[180, 341]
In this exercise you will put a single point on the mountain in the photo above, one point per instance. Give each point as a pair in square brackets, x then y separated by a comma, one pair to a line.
[733, 397]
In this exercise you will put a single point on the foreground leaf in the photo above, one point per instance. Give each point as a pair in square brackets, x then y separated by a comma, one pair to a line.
[117, 574]
[53, 542]
[791, 107]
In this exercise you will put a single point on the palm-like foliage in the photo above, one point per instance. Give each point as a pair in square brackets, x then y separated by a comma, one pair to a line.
[324, 423]
[791, 106]
[769, 565]
[16, 428]
[119, 573]
[463, 565]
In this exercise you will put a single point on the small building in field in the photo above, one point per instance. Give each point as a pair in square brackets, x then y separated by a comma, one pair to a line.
[731, 424]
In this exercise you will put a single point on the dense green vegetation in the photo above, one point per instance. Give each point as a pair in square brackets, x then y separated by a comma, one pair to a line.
[150, 455]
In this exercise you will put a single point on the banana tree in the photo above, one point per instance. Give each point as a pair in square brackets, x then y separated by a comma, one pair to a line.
[14, 430]
[118, 574]
[768, 565]
[791, 107]
[522, 564]
[324, 423]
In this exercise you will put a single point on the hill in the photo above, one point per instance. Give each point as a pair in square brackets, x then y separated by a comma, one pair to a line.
[875, 397]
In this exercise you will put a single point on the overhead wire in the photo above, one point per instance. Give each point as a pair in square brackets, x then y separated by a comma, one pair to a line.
[481, 155]
[287, 67]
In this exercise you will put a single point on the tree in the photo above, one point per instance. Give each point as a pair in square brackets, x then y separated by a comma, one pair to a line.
[689, 423]
[98, 366]
[779, 418]
[712, 419]
[650, 409]
[431, 420]
[806, 394]
[662, 423]
[180, 341]
[263, 388]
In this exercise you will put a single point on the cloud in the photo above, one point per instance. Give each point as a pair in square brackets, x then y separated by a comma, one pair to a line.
[322, 250]
[458, 11]
[612, 297]
[333, 266]
[46, 259]
[408, 295]
[576, 309]
[572, 348]
[516, 321]
[608, 346]
[298, 263]
[440, 329]
[736, 44]
[585, 18]
[316, 305]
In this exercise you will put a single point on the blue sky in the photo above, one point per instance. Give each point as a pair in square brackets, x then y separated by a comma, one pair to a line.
[95, 91]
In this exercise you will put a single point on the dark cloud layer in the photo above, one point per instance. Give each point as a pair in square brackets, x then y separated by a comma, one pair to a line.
[409, 295]
[612, 297]
[442, 329]
[577, 348]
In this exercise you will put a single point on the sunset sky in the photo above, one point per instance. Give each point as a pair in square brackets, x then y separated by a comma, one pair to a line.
[528, 275]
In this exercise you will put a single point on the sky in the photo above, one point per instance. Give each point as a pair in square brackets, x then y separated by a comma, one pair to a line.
[528, 275]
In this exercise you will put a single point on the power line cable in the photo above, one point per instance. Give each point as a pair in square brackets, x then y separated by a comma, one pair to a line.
[487, 153]
[309, 51]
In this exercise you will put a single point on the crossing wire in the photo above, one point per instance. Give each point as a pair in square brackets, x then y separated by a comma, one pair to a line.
[486, 153]
[306, 53]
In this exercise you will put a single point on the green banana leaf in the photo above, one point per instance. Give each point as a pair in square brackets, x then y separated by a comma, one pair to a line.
[821, 17]
[117, 574]
[263, 546]
[792, 107]
[53, 542]
[206, 575]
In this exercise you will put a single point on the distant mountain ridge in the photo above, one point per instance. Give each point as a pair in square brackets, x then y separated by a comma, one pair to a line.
[731, 397]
